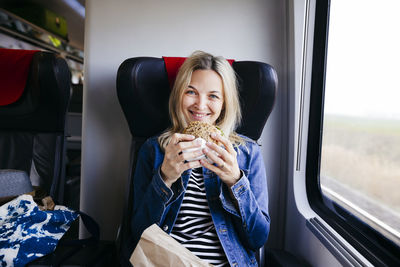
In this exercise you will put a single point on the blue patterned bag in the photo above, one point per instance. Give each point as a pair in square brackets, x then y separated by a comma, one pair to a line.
[27, 233]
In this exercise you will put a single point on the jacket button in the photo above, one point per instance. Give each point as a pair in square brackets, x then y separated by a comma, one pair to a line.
[165, 228]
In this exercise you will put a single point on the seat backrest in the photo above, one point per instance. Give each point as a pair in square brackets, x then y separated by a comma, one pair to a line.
[143, 91]
[32, 116]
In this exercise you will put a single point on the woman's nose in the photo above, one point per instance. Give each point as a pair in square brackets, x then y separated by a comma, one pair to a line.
[201, 103]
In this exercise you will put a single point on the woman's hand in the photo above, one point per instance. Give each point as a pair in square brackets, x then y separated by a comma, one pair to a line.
[175, 162]
[227, 167]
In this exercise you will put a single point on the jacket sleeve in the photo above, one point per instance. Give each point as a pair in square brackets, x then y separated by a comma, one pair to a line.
[250, 215]
[150, 193]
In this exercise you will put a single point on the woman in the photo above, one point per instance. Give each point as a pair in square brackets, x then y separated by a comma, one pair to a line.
[218, 211]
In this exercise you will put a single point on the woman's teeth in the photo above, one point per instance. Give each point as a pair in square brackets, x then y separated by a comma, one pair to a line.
[197, 115]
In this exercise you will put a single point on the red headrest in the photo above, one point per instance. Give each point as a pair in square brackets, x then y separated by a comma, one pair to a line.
[14, 70]
[172, 64]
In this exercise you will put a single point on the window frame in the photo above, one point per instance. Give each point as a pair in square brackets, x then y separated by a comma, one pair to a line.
[370, 243]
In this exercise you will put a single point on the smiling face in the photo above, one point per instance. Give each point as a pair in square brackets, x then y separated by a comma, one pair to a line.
[203, 99]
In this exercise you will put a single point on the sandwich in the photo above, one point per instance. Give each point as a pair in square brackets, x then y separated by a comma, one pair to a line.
[202, 130]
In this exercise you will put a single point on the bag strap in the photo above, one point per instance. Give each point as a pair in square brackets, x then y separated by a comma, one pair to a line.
[92, 227]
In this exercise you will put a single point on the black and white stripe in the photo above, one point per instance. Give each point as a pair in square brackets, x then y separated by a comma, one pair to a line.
[194, 227]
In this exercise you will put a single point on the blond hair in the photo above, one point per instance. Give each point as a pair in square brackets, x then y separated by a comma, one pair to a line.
[230, 115]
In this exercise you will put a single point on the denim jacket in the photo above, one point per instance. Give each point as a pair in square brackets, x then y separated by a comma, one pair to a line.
[241, 231]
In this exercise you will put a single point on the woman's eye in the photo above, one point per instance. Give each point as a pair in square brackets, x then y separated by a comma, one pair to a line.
[214, 96]
[190, 92]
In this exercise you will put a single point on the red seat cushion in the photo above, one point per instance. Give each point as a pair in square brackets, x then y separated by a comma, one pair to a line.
[14, 70]
[172, 65]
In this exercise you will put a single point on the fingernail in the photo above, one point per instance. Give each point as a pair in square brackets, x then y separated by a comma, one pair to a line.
[205, 150]
[213, 134]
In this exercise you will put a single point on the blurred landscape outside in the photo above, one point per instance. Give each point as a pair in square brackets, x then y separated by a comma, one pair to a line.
[361, 163]
[360, 160]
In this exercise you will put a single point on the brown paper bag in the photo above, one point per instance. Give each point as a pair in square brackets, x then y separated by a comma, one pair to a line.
[157, 248]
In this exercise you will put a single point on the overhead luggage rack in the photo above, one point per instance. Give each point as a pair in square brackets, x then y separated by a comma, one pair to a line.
[19, 28]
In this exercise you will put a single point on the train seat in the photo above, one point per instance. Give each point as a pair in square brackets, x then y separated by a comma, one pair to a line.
[35, 90]
[33, 142]
[143, 88]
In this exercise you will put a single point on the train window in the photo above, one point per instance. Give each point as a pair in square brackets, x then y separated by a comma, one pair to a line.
[353, 162]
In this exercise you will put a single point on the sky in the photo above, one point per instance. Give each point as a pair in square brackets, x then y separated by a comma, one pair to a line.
[363, 67]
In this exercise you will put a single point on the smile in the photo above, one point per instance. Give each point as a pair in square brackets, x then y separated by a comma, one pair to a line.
[198, 115]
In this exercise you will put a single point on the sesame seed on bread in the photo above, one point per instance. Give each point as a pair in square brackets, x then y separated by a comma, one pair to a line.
[202, 130]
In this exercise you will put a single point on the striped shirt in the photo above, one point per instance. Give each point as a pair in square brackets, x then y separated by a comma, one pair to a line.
[194, 227]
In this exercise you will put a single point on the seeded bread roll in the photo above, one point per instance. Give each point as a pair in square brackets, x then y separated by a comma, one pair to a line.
[202, 130]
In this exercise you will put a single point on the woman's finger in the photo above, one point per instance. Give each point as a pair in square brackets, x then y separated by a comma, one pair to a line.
[178, 137]
[219, 150]
[189, 156]
[227, 144]
[178, 143]
[191, 165]
[183, 145]
[213, 156]
[211, 167]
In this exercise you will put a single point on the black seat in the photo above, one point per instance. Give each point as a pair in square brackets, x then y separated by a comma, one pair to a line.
[143, 91]
[32, 136]
[32, 141]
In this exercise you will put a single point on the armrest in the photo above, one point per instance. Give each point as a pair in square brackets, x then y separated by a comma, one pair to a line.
[14, 183]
